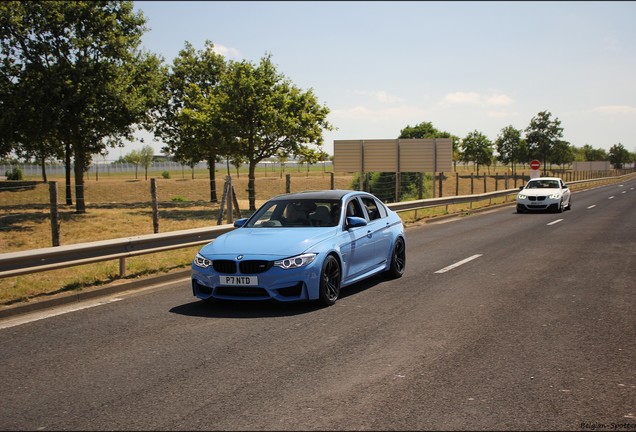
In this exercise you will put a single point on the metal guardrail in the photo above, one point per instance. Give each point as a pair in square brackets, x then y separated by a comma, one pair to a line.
[38, 260]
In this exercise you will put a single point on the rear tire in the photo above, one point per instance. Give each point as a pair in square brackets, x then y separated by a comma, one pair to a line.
[329, 281]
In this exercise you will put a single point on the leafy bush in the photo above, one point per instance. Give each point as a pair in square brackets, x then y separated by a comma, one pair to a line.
[179, 199]
[14, 174]
[165, 174]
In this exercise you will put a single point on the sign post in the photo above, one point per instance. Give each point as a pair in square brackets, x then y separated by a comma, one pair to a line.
[534, 169]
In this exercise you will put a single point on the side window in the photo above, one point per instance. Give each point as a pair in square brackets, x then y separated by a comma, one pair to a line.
[353, 209]
[372, 208]
[382, 210]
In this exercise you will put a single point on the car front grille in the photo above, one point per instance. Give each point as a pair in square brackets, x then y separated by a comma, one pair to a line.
[224, 266]
[255, 266]
[538, 198]
[246, 267]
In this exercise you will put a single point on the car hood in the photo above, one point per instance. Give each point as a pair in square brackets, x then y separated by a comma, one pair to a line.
[540, 192]
[274, 242]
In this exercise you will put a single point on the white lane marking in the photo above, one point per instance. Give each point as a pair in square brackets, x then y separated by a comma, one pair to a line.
[592, 206]
[23, 319]
[457, 264]
[82, 304]
[555, 222]
[612, 197]
[624, 192]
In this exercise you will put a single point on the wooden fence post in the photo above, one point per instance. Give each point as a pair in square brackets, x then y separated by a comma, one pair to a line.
[456, 183]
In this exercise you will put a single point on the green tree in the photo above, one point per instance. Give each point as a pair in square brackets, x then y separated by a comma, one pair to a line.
[562, 153]
[146, 155]
[264, 114]
[134, 157]
[189, 120]
[323, 157]
[477, 148]
[511, 148]
[309, 156]
[542, 135]
[26, 99]
[81, 61]
[282, 157]
[422, 130]
[427, 130]
[592, 154]
[619, 155]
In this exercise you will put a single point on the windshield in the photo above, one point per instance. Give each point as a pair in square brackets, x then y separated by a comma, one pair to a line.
[296, 213]
[543, 184]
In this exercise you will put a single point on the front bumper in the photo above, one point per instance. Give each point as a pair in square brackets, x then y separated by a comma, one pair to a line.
[274, 284]
[538, 204]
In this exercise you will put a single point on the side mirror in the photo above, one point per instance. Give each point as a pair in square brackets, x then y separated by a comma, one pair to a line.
[240, 222]
[565, 186]
[354, 222]
[521, 187]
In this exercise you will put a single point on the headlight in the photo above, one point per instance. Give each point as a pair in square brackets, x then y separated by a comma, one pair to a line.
[521, 196]
[555, 196]
[296, 262]
[201, 261]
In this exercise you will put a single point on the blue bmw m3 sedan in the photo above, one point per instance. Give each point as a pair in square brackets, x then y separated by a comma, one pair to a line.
[303, 246]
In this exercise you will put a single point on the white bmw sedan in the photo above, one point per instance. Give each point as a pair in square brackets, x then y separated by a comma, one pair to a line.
[544, 194]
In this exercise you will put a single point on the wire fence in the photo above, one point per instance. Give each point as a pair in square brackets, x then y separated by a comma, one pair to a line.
[35, 214]
[175, 169]
[390, 187]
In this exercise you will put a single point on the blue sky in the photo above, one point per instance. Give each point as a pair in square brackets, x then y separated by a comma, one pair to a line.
[464, 66]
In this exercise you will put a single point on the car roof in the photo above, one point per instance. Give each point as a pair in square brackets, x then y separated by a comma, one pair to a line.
[327, 194]
[546, 178]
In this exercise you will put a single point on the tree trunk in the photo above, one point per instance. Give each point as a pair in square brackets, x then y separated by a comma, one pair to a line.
[80, 206]
[67, 169]
[43, 165]
[211, 165]
[251, 181]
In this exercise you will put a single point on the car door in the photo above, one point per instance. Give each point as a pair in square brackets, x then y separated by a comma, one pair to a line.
[379, 229]
[357, 248]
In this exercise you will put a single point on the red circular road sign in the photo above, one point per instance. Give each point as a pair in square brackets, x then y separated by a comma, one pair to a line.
[535, 164]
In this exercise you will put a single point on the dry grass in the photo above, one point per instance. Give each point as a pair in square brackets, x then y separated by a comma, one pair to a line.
[119, 206]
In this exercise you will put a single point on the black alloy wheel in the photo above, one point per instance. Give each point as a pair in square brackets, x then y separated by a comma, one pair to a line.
[329, 281]
[398, 259]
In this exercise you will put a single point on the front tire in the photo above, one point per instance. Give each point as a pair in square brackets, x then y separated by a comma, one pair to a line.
[329, 281]
[398, 260]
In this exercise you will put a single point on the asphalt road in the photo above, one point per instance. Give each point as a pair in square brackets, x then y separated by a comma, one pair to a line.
[501, 322]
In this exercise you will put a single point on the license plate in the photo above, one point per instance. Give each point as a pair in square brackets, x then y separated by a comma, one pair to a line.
[239, 280]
